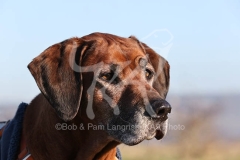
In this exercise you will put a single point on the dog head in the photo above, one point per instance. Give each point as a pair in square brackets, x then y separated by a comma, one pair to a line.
[117, 82]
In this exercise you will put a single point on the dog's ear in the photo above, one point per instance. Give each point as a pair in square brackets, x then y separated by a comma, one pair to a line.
[58, 75]
[161, 67]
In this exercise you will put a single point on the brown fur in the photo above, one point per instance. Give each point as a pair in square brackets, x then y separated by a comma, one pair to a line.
[63, 98]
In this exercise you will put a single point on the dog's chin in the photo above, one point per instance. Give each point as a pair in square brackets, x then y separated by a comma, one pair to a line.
[134, 141]
[159, 133]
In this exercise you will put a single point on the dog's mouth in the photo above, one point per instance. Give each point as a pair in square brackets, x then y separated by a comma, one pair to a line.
[158, 135]
[159, 132]
[138, 128]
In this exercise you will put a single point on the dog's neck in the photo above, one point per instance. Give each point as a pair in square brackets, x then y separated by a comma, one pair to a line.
[45, 141]
[95, 144]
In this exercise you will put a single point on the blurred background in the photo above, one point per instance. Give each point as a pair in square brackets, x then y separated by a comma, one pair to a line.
[200, 39]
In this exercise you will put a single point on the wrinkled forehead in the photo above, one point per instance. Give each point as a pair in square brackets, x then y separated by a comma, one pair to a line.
[118, 51]
[118, 54]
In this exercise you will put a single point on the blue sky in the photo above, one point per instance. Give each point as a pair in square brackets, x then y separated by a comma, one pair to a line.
[203, 38]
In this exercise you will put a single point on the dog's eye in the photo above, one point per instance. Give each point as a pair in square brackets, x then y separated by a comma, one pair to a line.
[148, 74]
[106, 76]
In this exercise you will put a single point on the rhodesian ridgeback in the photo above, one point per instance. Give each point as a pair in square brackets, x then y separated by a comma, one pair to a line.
[97, 92]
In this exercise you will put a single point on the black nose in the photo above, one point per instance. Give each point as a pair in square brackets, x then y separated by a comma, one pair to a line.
[160, 107]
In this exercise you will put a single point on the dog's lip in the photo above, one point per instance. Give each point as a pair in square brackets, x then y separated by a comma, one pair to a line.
[151, 136]
[159, 134]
